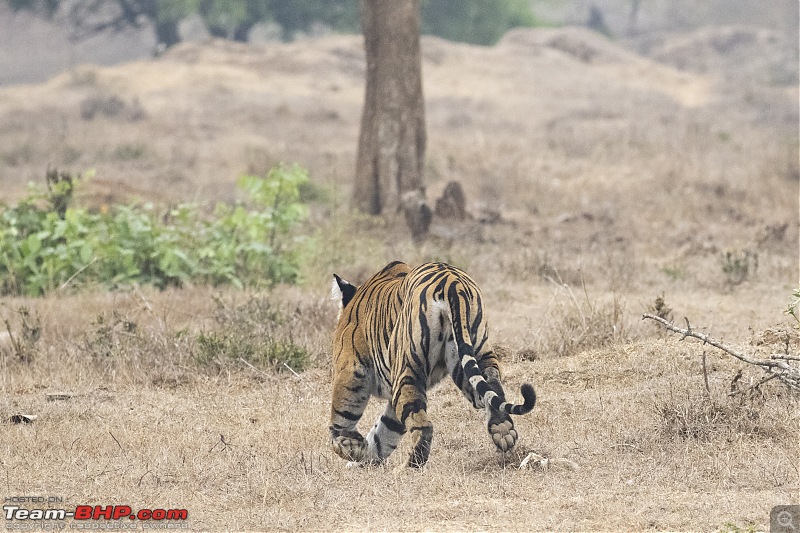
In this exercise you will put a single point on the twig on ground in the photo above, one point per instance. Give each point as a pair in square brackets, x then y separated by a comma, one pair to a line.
[144, 300]
[75, 275]
[115, 440]
[775, 366]
[225, 444]
[753, 387]
[139, 484]
[254, 369]
[705, 373]
[291, 369]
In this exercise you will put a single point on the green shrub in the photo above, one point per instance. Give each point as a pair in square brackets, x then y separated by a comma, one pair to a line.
[262, 351]
[474, 21]
[45, 245]
[794, 302]
[257, 332]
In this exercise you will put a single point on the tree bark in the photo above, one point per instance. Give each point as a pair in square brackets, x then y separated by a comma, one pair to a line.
[391, 148]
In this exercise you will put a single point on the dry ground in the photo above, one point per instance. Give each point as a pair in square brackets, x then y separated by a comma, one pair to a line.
[617, 179]
[146, 423]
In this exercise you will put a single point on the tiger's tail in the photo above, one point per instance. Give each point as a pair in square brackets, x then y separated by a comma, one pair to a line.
[469, 364]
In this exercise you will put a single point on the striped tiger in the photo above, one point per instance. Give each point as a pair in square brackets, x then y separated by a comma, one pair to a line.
[400, 333]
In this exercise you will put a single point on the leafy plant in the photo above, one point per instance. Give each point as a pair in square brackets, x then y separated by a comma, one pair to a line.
[46, 245]
[794, 301]
[264, 351]
[257, 333]
[733, 527]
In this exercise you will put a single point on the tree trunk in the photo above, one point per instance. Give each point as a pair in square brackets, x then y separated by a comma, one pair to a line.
[242, 32]
[391, 147]
[167, 33]
[635, 4]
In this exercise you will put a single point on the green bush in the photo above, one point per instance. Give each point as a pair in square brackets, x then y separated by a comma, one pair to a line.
[267, 352]
[249, 244]
[256, 332]
[794, 302]
[475, 21]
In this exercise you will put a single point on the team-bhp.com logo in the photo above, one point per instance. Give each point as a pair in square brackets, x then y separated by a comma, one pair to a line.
[20, 517]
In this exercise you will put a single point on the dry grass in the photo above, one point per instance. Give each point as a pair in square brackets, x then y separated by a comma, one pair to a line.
[244, 447]
[620, 178]
[574, 325]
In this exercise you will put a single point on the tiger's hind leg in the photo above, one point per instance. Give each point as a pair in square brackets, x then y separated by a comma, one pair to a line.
[411, 410]
[421, 431]
[384, 436]
[501, 427]
[351, 392]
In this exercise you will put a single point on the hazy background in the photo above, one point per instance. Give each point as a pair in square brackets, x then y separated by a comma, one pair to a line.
[655, 170]
[33, 49]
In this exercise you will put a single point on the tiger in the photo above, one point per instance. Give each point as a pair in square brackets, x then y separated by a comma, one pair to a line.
[397, 335]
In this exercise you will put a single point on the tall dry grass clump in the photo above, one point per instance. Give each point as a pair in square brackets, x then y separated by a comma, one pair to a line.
[576, 324]
[716, 416]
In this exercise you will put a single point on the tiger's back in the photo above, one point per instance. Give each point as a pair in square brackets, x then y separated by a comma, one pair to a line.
[364, 323]
[400, 333]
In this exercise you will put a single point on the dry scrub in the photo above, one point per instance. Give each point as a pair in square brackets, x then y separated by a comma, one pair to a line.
[148, 420]
[621, 178]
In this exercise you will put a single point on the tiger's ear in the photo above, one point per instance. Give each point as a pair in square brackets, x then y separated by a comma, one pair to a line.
[342, 289]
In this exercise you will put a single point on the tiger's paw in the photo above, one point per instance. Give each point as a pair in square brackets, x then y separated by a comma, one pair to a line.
[503, 433]
[350, 447]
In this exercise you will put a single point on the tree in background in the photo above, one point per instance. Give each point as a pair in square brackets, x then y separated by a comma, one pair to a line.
[232, 19]
[90, 17]
[43, 7]
[391, 147]
[301, 15]
[474, 21]
[229, 19]
[633, 15]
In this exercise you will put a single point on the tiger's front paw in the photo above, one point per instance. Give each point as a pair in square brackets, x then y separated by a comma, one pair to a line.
[351, 447]
[503, 433]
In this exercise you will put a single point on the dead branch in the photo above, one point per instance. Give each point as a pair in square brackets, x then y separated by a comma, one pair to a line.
[784, 357]
[705, 373]
[753, 387]
[775, 366]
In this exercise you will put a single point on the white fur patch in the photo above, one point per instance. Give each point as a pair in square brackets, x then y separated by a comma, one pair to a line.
[441, 306]
[336, 292]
